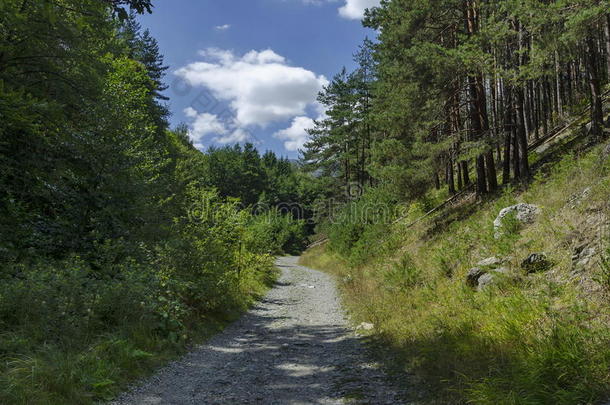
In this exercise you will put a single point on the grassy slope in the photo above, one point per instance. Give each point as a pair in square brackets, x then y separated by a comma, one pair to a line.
[97, 367]
[537, 339]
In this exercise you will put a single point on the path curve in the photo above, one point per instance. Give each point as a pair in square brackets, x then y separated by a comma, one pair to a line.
[294, 347]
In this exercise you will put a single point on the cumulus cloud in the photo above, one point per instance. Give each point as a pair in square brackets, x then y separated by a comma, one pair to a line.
[238, 135]
[354, 9]
[260, 86]
[204, 124]
[223, 27]
[296, 135]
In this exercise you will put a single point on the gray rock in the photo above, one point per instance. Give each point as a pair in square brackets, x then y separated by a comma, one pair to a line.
[524, 213]
[583, 257]
[578, 198]
[365, 326]
[536, 262]
[473, 276]
[491, 277]
[502, 270]
[485, 281]
[490, 262]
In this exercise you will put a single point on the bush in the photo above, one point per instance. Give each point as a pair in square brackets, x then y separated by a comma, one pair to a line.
[276, 233]
[74, 330]
[360, 227]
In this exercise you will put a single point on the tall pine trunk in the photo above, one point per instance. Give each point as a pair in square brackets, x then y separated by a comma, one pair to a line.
[607, 32]
[485, 164]
[597, 114]
[508, 128]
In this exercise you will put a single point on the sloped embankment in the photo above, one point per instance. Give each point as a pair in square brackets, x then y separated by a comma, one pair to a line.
[538, 332]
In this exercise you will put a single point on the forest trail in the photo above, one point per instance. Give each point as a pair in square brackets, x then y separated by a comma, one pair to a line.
[293, 347]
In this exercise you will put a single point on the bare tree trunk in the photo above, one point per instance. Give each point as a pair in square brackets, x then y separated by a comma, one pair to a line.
[516, 159]
[465, 173]
[478, 108]
[597, 114]
[521, 134]
[460, 184]
[450, 177]
[508, 127]
[559, 102]
[607, 32]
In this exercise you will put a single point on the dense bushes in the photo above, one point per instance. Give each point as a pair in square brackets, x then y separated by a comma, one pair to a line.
[357, 228]
[59, 311]
[117, 245]
[277, 233]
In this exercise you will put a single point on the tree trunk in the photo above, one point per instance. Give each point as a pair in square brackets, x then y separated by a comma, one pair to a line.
[508, 128]
[607, 32]
[516, 159]
[450, 177]
[521, 134]
[478, 108]
[558, 102]
[492, 177]
[460, 184]
[597, 114]
[465, 174]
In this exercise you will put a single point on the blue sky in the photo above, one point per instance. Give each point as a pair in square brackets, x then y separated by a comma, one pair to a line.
[249, 70]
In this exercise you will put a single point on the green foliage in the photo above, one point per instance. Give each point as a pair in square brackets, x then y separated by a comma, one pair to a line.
[540, 339]
[276, 233]
[116, 251]
[360, 227]
[403, 275]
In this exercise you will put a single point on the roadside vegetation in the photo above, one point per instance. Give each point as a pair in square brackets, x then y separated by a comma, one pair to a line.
[539, 338]
[456, 111]
[120, 243]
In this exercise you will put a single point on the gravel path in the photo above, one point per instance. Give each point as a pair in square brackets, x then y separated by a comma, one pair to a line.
[294, 347]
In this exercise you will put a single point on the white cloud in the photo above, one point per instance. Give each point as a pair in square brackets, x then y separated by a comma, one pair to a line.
[204, 124]
[296, 135]
[354, 9]
[260, 86]
[223, 27]
[238, 135]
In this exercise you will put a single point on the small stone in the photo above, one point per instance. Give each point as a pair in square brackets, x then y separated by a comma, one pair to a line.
[490, 262]
[484, 281]
[365, 326]
[502, 270]
[536, 262]
[524, 213]
[492, 277]
[473, 276]
[582, 257]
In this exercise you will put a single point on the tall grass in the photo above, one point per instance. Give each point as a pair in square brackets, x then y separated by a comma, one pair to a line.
[529, 339]
[71, 336]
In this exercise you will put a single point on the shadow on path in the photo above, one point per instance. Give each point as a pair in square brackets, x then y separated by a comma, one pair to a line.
[294, 347]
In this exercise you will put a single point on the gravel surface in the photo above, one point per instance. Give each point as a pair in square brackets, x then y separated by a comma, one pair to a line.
[294, 347]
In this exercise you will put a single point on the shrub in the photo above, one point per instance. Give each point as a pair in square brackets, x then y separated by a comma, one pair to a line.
[275, 233]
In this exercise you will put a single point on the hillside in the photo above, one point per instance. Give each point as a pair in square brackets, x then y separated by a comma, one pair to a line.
[531, 335]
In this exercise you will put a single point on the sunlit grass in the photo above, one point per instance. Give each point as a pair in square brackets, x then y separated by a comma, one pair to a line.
[530, 339]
